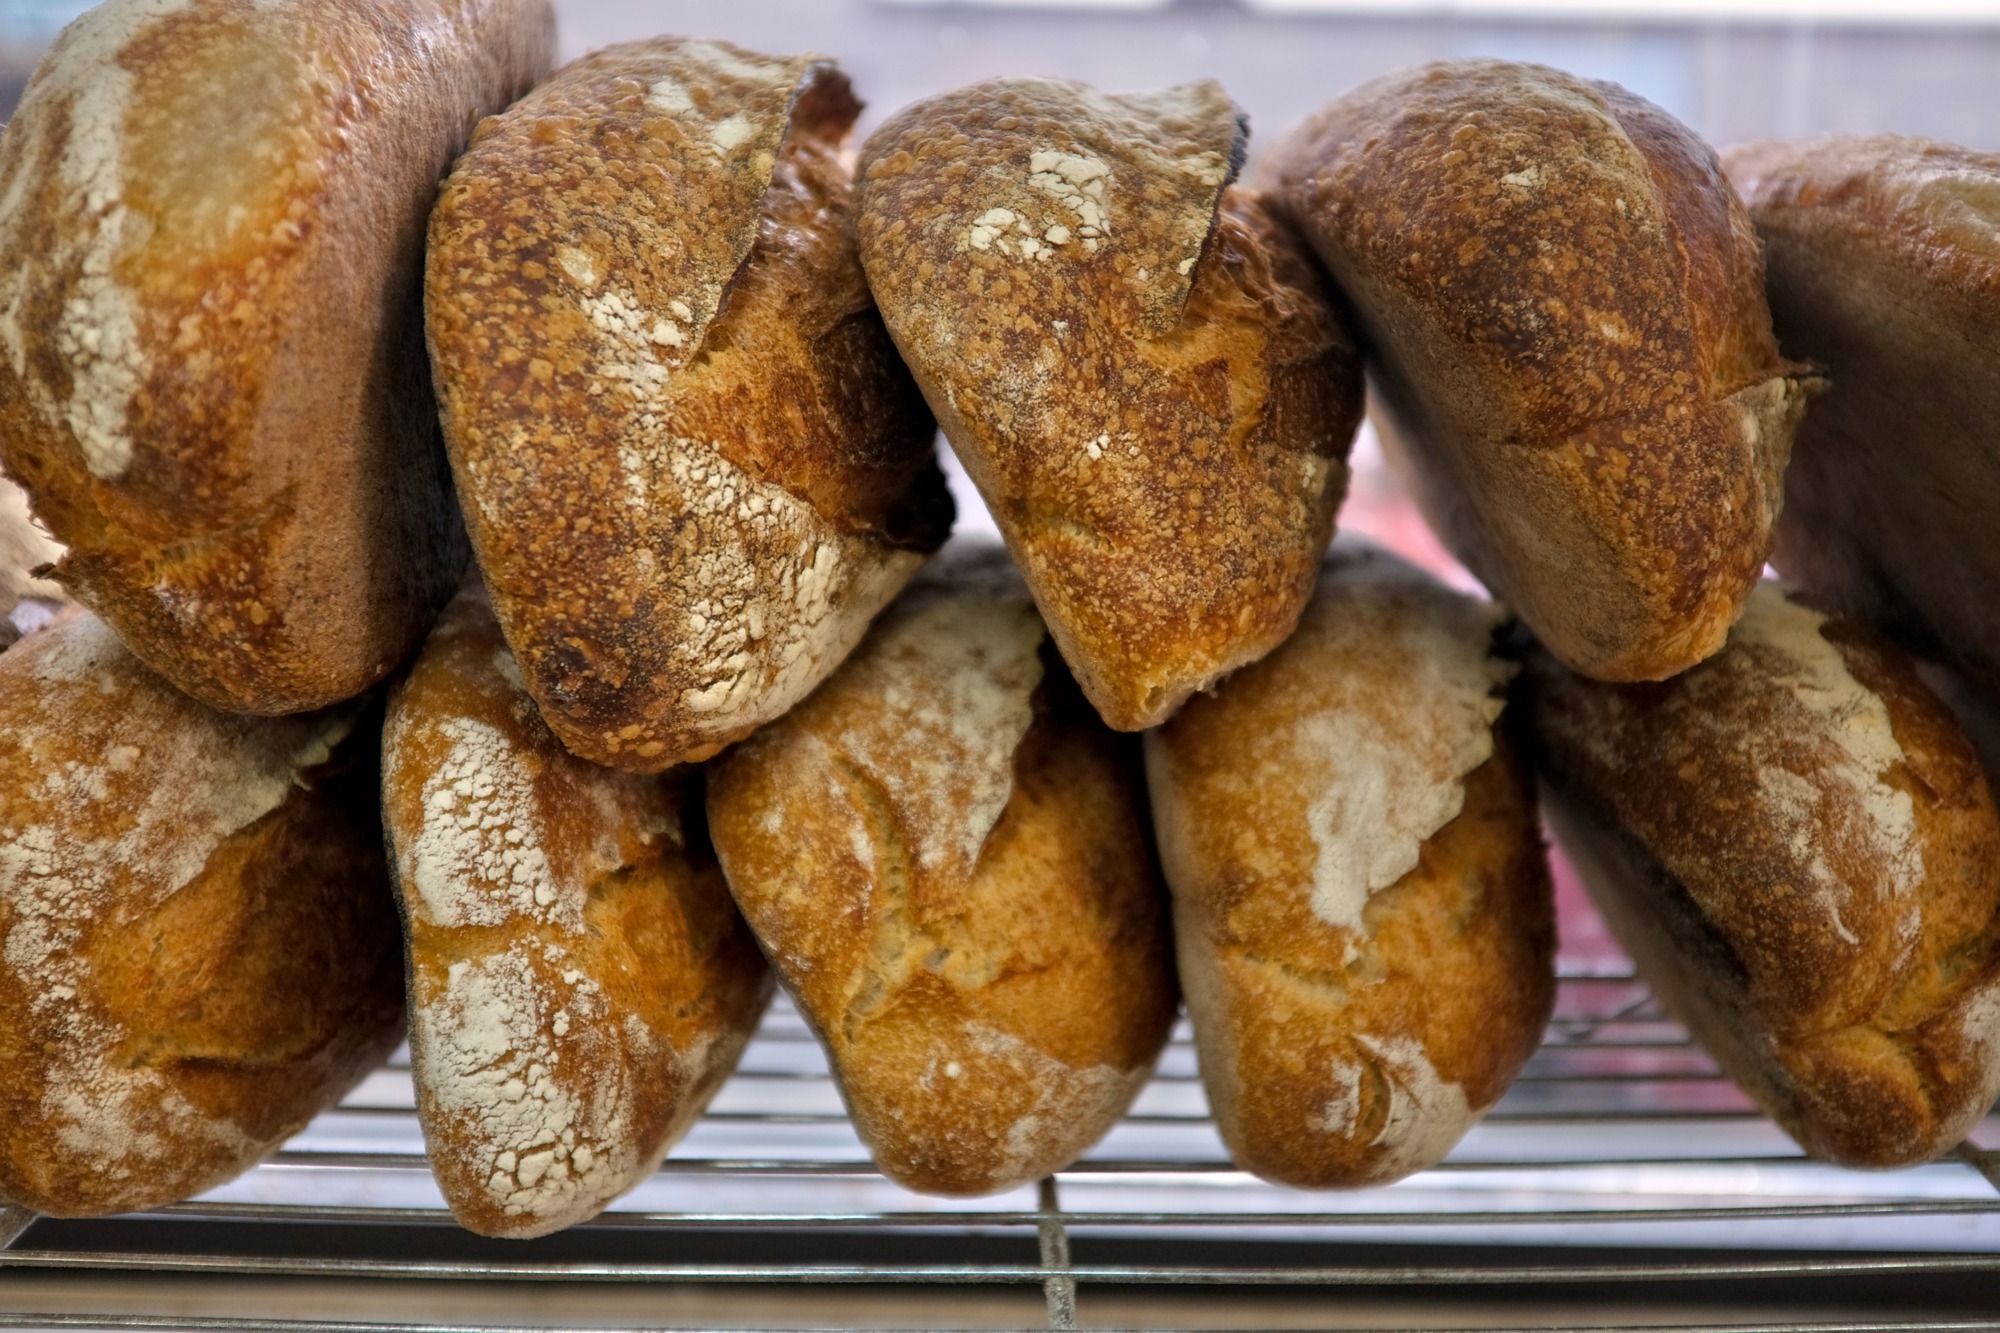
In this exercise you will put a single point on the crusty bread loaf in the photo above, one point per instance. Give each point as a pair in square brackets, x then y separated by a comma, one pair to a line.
[1565, 305]
[1976, 708]
[1795, 842]
[945, 856]
[211, 360]
[198, 950]
[691, 464]
[1884, 259]
[1361, 903]
[1138, 366]
[580, 984]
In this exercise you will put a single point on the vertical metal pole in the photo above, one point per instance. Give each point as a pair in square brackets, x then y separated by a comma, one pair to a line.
[1979, 1160]
[14, 1223]
[1058, 1287]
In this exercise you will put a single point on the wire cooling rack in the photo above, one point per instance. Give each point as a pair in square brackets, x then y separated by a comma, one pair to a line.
[1621, 1165]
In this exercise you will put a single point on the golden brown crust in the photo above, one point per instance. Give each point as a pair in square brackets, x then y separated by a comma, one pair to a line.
[1352, 1028]
[211, 367]
[1884, 258]
[1565, 300]
[946, 857]
[691, 464]
[197, 946]
[1796, 843]
[1137, 365]
[580, 984]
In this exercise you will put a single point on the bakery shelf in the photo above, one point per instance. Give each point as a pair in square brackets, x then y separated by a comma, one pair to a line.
[1620, 1167]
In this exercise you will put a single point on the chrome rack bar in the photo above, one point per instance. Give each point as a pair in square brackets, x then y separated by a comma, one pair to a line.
[1059, 1287]
[14, 1223]
[1987, 1164]
[1127, 1275]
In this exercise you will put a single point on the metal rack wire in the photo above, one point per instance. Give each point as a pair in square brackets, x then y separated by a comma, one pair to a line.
[1621, 1159]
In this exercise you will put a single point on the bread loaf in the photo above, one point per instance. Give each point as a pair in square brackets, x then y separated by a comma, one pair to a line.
[211, 367]
[1976, 708]
[945, 856]
[1361, 904]
[1565, 305]
[691, 464]
[1135, 362]
[580, 984]
[1795, 842]
[1884, 259]
[198, 950]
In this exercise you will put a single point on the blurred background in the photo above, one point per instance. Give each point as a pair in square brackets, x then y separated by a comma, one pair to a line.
[1733, 69]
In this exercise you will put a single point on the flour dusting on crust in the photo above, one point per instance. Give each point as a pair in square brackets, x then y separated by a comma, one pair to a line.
[477, 859]
[771, 591]
[1064, 1097]
[1427, 1113]
[1383, 775]
[496, 1046]
[955, 672]
[97, 331]
[168, 784]
[1778, 646]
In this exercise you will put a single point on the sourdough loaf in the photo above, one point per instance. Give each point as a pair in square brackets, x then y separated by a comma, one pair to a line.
[1884, 258]
[1565, 306]
[580, 984]
[1795, 842]
[691, 464]
[1361, 902]
[1136, 363]
[945, 856]
[211, 360]
[198, 949]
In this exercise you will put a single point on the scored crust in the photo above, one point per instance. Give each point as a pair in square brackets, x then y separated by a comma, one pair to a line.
[692, 467]
[1361, 903]
[1797, 844]
[1884, 259]
[211, 367]
[945, 856]
[1138, 366]
[580, 984]
[197, 945]
[1566, 306]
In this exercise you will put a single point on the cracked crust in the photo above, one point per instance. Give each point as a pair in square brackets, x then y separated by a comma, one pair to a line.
[1884, 259]
[1566, 305]
[211, 367]
[945, 855]
[580, 984]
[1139, 367]
[1343, 1048]
[691, 464]
[197, 943]
[1796, 843]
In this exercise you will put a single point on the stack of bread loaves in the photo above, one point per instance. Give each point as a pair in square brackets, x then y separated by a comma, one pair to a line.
[312, 313]
[1574, 366]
